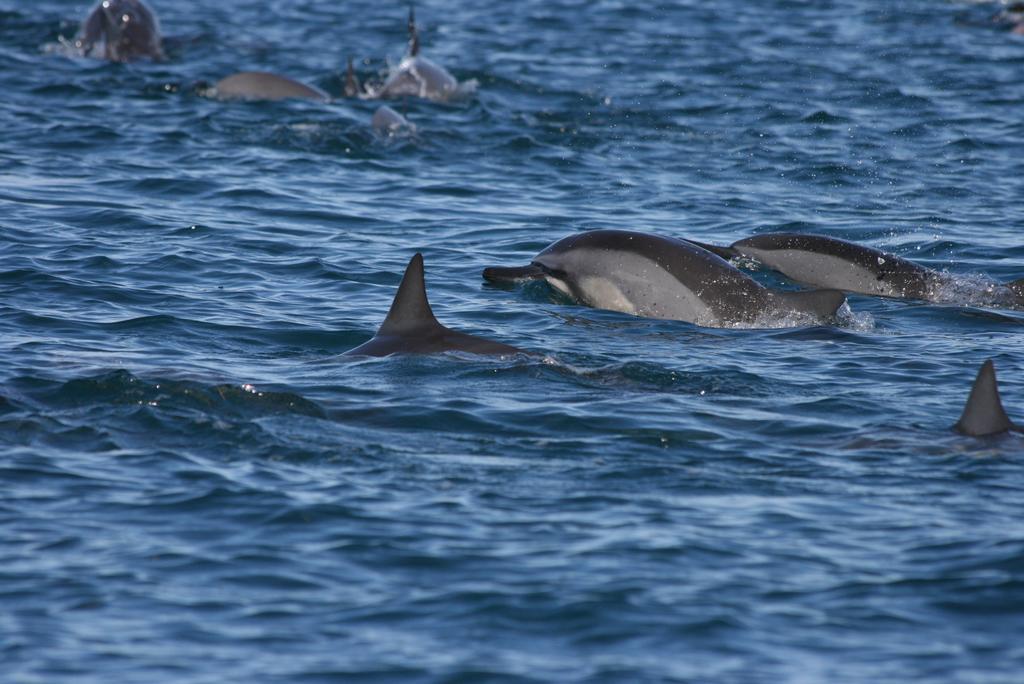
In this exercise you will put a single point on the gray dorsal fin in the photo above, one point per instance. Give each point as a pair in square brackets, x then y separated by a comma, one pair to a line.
[414, 37]
[984, 413]
[410, 310]
[351, 80]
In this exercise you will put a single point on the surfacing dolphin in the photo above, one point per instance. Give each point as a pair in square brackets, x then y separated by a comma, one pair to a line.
[121, 31]
[410, 326]
[261, 85]
[387, 121]
[415, 75]
[662, 277]
[820, 261]
[984, 414]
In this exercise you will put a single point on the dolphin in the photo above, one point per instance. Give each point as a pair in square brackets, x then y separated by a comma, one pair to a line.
[820, 261]
[984, 414]
[387, 121]
[1012, 17]
[261, 85]
[410, 326]
[662, 277]
[352, 87]
[121, 31]
[416, 75]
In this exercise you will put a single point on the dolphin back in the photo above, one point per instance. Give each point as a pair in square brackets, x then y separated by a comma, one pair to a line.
[261, 85]
[387, 120]
[984, 413]
[724, 252]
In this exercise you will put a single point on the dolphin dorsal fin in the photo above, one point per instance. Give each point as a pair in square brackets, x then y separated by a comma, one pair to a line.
[351, 81]
[410, 310]
[984, 413]
[414, 36]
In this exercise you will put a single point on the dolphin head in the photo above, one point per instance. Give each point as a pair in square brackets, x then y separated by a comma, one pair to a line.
[550, 265]
[130, 30]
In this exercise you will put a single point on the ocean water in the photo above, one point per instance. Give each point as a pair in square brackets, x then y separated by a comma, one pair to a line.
[198, 487]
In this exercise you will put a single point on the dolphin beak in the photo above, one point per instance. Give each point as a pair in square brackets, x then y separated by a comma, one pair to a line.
[512, 274]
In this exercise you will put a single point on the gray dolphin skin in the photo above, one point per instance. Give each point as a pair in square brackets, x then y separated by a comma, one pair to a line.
[417, 76]
[662, 277]
[121, 31]
[984, 414]
[410, 326]
[820, 261]
[387, 121]
[261, 85]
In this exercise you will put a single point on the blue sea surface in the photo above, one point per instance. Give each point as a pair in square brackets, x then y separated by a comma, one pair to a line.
[197, 486]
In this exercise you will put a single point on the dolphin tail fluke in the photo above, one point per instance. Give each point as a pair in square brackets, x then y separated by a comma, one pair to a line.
[724, 252]
[352, 88]
[818, 303]
[512, 274]
[410, 310]
[414, 36]
[984, 413]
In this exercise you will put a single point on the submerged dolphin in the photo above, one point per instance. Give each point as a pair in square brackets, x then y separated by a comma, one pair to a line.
[261, 85]
[387, 121]
[410, 326]
[121, 31]
[821, 261]
[662, 277]
[414, 76]
[984, 414]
